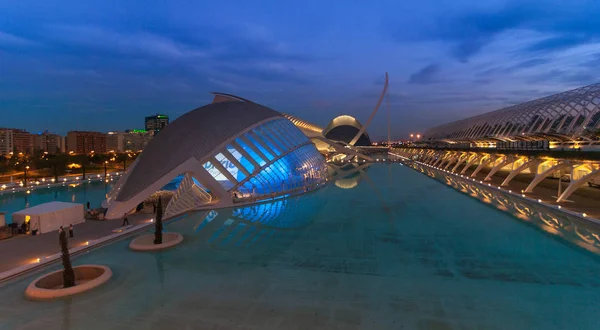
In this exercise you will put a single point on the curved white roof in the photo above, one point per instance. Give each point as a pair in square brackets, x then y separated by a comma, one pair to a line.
[343, 120]
[195, 134]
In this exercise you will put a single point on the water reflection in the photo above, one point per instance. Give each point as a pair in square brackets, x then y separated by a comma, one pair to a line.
[244, 226]
[548, 219]
[94, 192]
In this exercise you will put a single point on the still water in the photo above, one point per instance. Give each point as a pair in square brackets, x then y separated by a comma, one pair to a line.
[393, 249]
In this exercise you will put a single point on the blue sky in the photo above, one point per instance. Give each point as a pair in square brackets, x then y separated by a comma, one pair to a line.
[104, 65]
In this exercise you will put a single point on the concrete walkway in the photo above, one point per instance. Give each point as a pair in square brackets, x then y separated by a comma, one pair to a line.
[25, 249]
[584, 200]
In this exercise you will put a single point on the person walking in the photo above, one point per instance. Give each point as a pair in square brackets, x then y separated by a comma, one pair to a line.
[125, 220]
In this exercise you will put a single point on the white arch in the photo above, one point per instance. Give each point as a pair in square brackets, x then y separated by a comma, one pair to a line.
[539, 177]
[576, 184]
[484, 162]
[519, 169]
[450, 162]
[362, 130]
[116, 209]
[500, 165]
[471, 161]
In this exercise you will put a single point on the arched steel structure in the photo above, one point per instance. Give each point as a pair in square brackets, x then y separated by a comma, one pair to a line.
[570, 115]
[344, 128]
[226, 151]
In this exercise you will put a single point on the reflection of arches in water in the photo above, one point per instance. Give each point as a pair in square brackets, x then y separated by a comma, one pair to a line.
[347, 176]
[551, 221]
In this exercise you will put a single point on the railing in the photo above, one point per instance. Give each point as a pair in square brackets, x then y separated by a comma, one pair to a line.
[294, 190]
[46, 183]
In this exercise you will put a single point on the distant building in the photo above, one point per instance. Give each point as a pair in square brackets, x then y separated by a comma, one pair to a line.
[80, 142]
[48, 142]
[115, 141]
[22, 141]
[6, 141]
[157, 122]
[136, 139]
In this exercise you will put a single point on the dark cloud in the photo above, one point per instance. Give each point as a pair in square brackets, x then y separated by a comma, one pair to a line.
[427, 75]
[470, 32]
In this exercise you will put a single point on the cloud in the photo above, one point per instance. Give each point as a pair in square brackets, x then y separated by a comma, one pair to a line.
[89, 38]
[527, 64]
[11, 40]
[468, 33]
[559, 43]
[222, 83]
[266, 72]
[426, 75]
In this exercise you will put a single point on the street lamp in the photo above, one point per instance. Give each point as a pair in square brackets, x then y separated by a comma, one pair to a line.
[26, 168]
[105, 162]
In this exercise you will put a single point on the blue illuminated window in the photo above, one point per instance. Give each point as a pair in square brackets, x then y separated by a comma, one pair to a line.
[251, 152]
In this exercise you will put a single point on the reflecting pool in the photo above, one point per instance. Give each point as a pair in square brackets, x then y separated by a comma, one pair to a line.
[81, 192]
[392, 249]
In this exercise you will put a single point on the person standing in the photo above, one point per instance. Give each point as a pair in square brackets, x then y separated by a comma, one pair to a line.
[88, 205]
[125, 220]
[71, 230]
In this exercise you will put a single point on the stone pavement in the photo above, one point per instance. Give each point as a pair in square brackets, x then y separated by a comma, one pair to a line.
[25, 249]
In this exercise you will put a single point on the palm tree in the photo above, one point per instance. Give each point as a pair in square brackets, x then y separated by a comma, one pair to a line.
[68, 273]
[158, 224]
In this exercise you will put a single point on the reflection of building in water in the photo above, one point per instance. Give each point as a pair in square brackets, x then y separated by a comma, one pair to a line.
[349, 182]
[245, 226]
[348, 175]
[553, 221]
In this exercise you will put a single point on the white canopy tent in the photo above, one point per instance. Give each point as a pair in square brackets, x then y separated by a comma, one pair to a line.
[50, 216]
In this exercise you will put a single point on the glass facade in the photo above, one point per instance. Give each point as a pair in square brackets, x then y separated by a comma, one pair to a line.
[277, 157]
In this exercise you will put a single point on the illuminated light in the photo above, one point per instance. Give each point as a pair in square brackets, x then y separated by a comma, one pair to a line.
[539, 200]
[29, 191]
[584, 215]
[522, 195]
[98, 176]
[559, 207]
[53, 180]
[43, 180]
[3, 186]
[65, 179]
[510, 191]
[37, 182]
[77, 178]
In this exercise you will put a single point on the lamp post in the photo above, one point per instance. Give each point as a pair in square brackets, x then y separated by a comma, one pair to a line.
[25, 181]
[105, 162]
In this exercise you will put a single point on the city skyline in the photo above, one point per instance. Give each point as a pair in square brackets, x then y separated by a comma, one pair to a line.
[82, 66]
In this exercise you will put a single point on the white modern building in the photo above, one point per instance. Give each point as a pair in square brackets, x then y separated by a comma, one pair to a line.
[227, 152]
